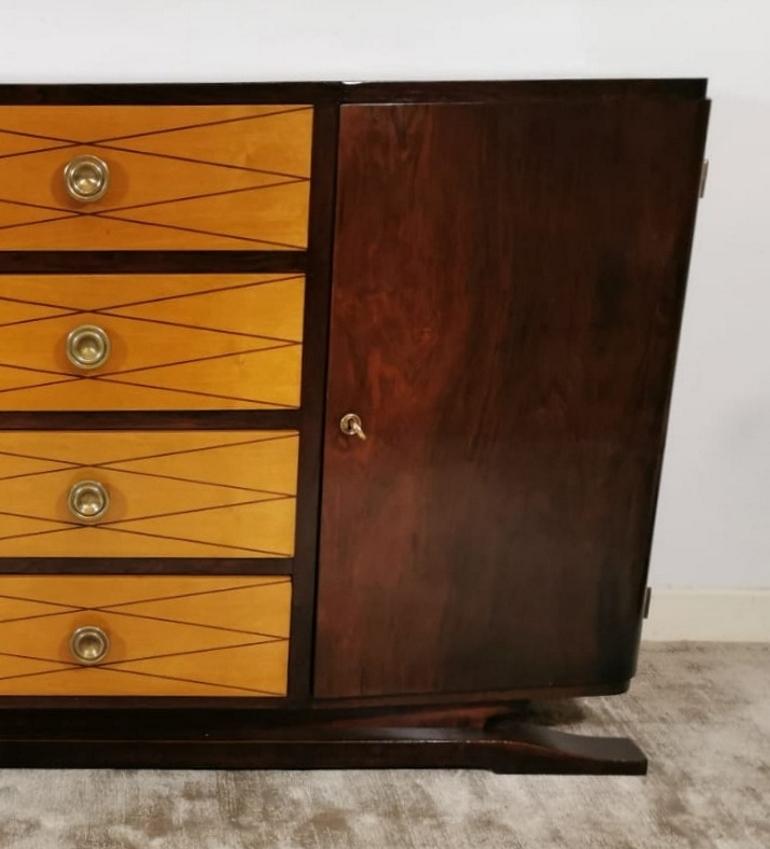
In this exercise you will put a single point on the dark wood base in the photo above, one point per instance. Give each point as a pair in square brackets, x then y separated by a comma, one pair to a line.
[209, 741]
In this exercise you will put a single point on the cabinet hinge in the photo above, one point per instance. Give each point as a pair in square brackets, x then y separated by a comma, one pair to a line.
[647, 600]
[704, 173]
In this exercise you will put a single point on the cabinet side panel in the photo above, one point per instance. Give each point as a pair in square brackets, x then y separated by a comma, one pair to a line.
[507, 293]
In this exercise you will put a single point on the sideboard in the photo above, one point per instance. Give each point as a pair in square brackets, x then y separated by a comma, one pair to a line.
[332, 415]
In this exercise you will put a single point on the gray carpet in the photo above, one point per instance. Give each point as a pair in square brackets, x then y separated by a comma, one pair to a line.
[700, 711]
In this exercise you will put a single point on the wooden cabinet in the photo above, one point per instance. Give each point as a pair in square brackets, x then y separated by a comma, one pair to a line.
[202, 561]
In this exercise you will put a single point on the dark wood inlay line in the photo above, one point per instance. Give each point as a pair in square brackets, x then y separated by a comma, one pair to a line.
[67, 607]
[107, 664]
[74, 608]
[107, 467]
[163, 322]
[268, 639]
[39, 533]
[250, 285]
[116, 523]
[173, 157]
[184, 326]
[196, 392]
[175, 453]
[173, 478]
[37, 370]
[107, 378]
[34, 385]
[144, 301]
[185, 680]
[68, 213]
[109, 213]
[121, 530]
[42, 318]
[185, 127]
[285, 343]
[185, 539]
[37, 616]
[50, 149]
[199, 232]
[192, 161]
[219, 590]
[65, 667]
[33, 223]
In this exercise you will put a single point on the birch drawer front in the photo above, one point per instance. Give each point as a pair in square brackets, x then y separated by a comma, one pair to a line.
[150, 342]
[154, 177]
[148, 494]
[122, 635]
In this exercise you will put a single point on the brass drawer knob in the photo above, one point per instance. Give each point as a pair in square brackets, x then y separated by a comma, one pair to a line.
[89, 645]
[88, 347]
[86, 178]
[351, 425]
[88, 501]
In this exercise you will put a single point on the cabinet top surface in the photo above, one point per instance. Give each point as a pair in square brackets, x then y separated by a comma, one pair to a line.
[347, 92]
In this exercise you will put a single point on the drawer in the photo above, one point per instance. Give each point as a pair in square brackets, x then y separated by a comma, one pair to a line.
[151, 342]
[132, 635]
[148, 494]
[172, 177]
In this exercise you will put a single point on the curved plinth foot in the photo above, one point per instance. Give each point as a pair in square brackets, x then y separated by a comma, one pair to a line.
[507, 747]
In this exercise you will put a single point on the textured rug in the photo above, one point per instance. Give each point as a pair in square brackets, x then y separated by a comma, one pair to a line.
[700, 711]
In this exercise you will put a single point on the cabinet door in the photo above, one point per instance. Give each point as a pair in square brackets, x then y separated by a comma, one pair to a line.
[508, 285]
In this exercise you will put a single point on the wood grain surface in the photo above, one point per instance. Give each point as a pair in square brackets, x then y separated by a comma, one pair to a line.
[181, 177]
[172, 493]
[169, 635]
[508, 284]
[178, 341]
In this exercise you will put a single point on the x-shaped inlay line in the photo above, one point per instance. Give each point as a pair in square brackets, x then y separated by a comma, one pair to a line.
[117, 609]
[67, 310]
[110, 213]
[118, 525]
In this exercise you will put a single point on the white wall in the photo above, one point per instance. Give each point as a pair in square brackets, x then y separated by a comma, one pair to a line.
[714, 518]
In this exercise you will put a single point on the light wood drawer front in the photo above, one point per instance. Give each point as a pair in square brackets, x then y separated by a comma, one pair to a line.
[180, 177]
[170, 493]
[176, 341]
[167, 635]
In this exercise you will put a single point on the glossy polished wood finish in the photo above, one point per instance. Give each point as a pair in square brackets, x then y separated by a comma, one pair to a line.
[333, 93]
[172, 493]
[168, 635]
[180, 177]
[177, 341]
[508, 287]
[237, 741]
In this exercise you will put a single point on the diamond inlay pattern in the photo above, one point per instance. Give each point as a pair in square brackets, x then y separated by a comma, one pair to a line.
[178, 341]
[172, 493]
[169, 635]
[205, 177]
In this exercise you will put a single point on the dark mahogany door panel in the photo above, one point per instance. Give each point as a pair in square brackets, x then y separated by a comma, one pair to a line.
[508, 285]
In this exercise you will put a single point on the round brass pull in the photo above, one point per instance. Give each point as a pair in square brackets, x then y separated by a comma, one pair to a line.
[351, 425]
[89, 645]
[88, 347]
[86, 178]
[88, 501]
